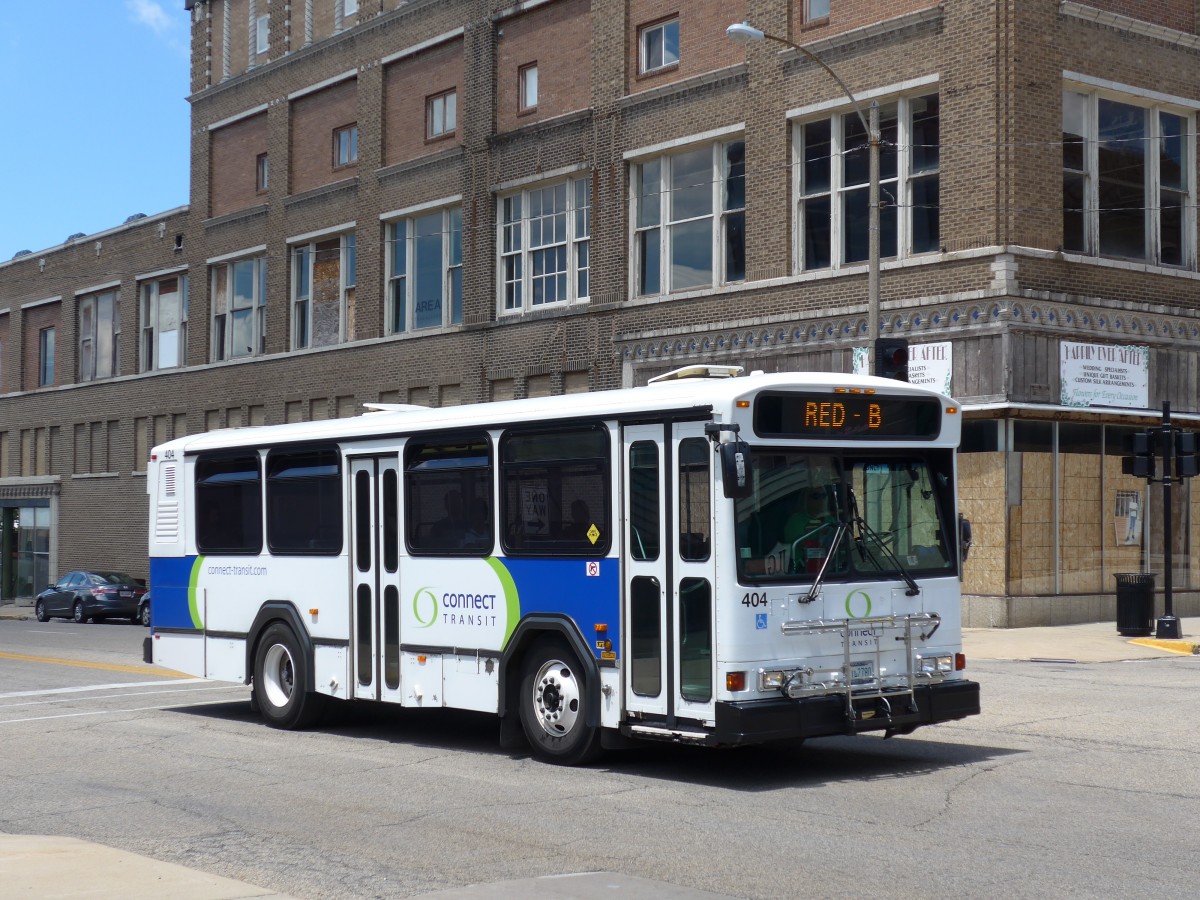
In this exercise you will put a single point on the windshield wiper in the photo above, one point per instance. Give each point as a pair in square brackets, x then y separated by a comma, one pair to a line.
[865, 553]
[842, 528]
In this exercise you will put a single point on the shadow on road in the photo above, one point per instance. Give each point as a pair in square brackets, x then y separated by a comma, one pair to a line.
[759, 768]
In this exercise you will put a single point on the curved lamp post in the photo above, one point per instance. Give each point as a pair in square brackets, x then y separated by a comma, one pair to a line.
[745, 33]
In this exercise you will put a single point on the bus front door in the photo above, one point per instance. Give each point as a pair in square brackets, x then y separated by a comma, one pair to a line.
[375, 577]
[668, 598]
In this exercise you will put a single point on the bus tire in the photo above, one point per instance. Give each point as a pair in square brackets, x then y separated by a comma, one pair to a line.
[280, 674]
[554, 704]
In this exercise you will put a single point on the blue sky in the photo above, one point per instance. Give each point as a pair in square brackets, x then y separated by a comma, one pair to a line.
[93, 114]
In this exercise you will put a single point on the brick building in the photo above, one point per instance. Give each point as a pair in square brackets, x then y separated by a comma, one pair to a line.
[454, 201]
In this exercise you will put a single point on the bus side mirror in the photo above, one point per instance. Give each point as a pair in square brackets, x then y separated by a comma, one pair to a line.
[735, 469]
[964, 537]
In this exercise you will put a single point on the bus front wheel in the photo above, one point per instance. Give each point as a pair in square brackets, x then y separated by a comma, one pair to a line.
[280, 674]
[555, 705]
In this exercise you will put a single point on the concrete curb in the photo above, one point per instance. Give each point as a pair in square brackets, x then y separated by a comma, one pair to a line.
[50, 866]
[1187, 648]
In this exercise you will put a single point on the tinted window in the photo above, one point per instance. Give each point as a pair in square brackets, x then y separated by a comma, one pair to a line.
[449, 496]
[229, 504]
[556, 492]
[304, 500]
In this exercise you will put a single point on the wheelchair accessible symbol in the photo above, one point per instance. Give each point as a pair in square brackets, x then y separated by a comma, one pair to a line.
[760, 621]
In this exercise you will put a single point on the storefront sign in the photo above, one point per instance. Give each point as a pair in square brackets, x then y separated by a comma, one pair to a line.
[1105, 375]
[931, 365]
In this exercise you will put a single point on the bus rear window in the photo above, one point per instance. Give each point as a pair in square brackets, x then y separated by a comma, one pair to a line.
[229, 504]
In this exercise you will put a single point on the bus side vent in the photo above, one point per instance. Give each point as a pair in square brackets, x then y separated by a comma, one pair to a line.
[166, 519]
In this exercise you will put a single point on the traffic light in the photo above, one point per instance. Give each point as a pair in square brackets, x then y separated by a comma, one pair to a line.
[891, 358]
[1139, 455]
[1185, 454]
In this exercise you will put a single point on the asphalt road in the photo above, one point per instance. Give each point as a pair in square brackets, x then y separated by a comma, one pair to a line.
[1078, 780]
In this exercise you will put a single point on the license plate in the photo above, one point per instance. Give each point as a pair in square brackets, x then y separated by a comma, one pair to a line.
[862, 672]
[126, 593]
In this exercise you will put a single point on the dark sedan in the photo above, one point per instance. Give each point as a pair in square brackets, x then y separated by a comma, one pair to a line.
[84, 596]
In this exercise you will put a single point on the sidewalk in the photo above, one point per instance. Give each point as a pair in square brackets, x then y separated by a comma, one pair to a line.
[39, 866]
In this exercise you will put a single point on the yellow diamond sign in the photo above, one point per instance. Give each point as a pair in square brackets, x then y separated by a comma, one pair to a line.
[593, 533]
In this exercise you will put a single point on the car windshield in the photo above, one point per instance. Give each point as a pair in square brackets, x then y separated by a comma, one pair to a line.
[891, 506]
[116, 578]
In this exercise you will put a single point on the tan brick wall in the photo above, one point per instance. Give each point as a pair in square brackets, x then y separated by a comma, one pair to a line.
[846, 15]
[1177, 14]
[32, 322]
[314, 118]
[233, 152]
[7, 376]
[703, 45]
[407, 84]
[556, 37]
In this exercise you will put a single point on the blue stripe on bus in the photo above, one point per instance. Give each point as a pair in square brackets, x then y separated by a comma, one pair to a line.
[171, 603]
[563, 586]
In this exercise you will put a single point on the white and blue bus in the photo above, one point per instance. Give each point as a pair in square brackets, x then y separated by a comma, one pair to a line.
[711, 559]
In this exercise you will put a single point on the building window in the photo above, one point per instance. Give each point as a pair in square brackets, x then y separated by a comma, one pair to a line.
[659, 46]
[45, 357]
[528, 77]
[815, 10]
[690, 219]
[349, 7]
[99, 333]
[832, 175]
[164, 323]
[262, 34]
[544, 242]
[323, 280]
[239, 300]
[425, 271]
[1126, 186]
[441, 114]
[261, 173]
[345, 145]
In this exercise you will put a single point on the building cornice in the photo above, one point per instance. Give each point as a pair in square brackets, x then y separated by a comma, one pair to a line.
[1129, 25]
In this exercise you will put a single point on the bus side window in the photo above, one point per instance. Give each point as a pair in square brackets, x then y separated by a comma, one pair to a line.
[449, 496]
[556, 492]
[229, 503]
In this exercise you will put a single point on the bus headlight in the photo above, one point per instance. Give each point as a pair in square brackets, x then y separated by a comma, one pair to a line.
[771, 680]
[935, 665]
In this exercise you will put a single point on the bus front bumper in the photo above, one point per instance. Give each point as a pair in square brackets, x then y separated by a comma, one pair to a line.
[756, 721]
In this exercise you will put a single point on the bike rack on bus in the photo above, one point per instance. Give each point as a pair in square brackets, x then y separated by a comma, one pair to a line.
[884, 689]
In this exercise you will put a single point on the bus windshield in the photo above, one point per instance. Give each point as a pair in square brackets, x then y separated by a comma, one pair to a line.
[894, 507]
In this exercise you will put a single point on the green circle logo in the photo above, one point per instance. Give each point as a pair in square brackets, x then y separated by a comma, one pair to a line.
[866, 600]
[425, 600]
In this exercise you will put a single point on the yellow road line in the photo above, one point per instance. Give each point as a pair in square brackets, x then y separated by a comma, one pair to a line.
[108, 667]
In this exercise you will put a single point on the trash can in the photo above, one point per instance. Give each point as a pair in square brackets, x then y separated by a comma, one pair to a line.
[1135, 603]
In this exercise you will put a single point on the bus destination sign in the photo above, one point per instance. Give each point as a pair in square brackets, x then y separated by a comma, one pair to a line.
[801, 414]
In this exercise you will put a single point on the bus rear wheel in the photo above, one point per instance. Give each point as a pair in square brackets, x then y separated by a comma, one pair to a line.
[556, 706]
[280, 674]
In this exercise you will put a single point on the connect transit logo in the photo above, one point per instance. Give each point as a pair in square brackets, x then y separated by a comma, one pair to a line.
[425, 607]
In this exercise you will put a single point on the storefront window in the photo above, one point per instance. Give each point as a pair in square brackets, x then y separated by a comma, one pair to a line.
[1031, 508]
[33, 550]
[1080, 521]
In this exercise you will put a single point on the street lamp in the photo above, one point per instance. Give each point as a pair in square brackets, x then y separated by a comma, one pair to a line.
[744, 33]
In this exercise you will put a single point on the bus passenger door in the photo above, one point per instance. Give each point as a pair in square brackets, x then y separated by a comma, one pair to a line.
[375, 577]
[644, 595]
[693, 640]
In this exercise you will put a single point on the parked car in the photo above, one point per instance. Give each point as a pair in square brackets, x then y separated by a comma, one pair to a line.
[84, 596]
[144, 609]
